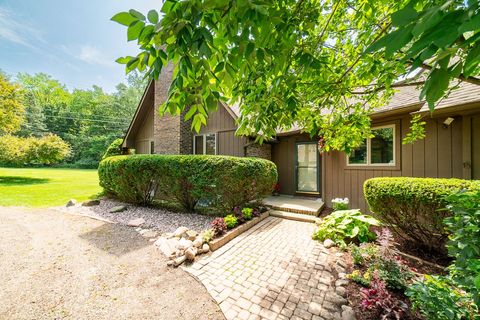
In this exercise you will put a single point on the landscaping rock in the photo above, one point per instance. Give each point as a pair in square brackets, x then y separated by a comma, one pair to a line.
[190, 253]
[71, 203]
[148, 233]
[136, 222]
[178, 261]
[167, 246]
[191, 234]
[341, 291]
[180, 231]
[118, 209]
[205, 248]
[91, 203]
[348, 313]
[197, 243]
[328, 243]
[184, 244]
[170, 263]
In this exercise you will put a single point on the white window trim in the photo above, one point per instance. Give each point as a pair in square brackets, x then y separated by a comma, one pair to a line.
[368, 163]
[204, 142]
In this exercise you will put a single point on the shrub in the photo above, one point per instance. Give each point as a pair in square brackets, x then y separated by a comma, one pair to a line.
[231, 221]
[47, 150]
[219, 226]
[411, 206]
[247, 213]
[114, 149]
[346, 226]
[225, 181]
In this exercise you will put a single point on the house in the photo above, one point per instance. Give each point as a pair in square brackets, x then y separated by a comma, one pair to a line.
[451, 148]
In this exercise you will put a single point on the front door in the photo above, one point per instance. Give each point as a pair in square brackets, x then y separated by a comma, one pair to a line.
[306, 167]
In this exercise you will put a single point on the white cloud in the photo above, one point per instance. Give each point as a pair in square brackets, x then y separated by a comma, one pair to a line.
[16, 32]
[89, 54]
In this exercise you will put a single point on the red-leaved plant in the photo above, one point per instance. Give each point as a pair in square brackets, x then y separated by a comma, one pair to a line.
[378, 298]
[219, 226]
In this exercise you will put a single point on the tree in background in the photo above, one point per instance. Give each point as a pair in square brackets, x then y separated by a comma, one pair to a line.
[11, 107]
[88, 120]
[322, 64]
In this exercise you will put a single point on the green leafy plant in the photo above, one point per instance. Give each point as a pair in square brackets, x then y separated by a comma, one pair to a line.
[411, 206]
[438, 298]
[464, 241]
[208, 235]
[247, 213]
[363, 253]
[231, 221]
[362, 279]
[346, 226]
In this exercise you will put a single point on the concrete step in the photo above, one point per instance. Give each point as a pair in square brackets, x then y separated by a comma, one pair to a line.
[299, 205]
[293, 216]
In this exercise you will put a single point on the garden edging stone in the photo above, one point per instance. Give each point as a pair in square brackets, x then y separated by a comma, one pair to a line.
[217, 243]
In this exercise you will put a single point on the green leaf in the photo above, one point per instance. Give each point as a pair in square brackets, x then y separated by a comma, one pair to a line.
[393, 41]
[168, 6]
[134, 30]
[137, 14]
[435, 87]
[124, 60]
[472, 61]
[470, 25]
[428, 21]
[124, 18]
[219, 67]
[153, 16]
[404, 16]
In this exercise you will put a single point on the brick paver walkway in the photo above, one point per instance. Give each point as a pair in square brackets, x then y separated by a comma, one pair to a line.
[276, 271]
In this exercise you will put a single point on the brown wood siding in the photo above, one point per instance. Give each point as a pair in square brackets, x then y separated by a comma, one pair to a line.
[144, 134]
[475, 147]
[439, 155]
[222, 123]
[219, 120]
[283, 155]
[229, 144]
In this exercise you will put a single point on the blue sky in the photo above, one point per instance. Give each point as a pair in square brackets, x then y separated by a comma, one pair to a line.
[74, 41]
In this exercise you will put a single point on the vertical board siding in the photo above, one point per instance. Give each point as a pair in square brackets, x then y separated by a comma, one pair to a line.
[431, 149]
[438, 155]
[229, 144]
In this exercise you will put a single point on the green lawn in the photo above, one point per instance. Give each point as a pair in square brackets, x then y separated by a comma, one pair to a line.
[46, 187]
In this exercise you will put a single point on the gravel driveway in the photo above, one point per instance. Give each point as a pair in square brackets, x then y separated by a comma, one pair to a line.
[61, 266]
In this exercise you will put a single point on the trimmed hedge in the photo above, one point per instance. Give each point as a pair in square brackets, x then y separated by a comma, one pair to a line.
[415, 207]
[225, 182]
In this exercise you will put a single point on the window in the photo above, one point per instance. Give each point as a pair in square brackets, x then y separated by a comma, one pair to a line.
[375, 151]
[205, 144]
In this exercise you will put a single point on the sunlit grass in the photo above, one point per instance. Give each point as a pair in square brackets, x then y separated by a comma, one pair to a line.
[46, 187]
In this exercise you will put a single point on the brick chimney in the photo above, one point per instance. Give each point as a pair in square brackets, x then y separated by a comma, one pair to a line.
[172, 135]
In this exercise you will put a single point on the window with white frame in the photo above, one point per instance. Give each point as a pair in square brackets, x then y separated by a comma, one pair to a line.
[205, 144]
[376, 151]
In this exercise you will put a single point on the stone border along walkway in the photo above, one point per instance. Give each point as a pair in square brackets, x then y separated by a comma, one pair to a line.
[276, 271]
